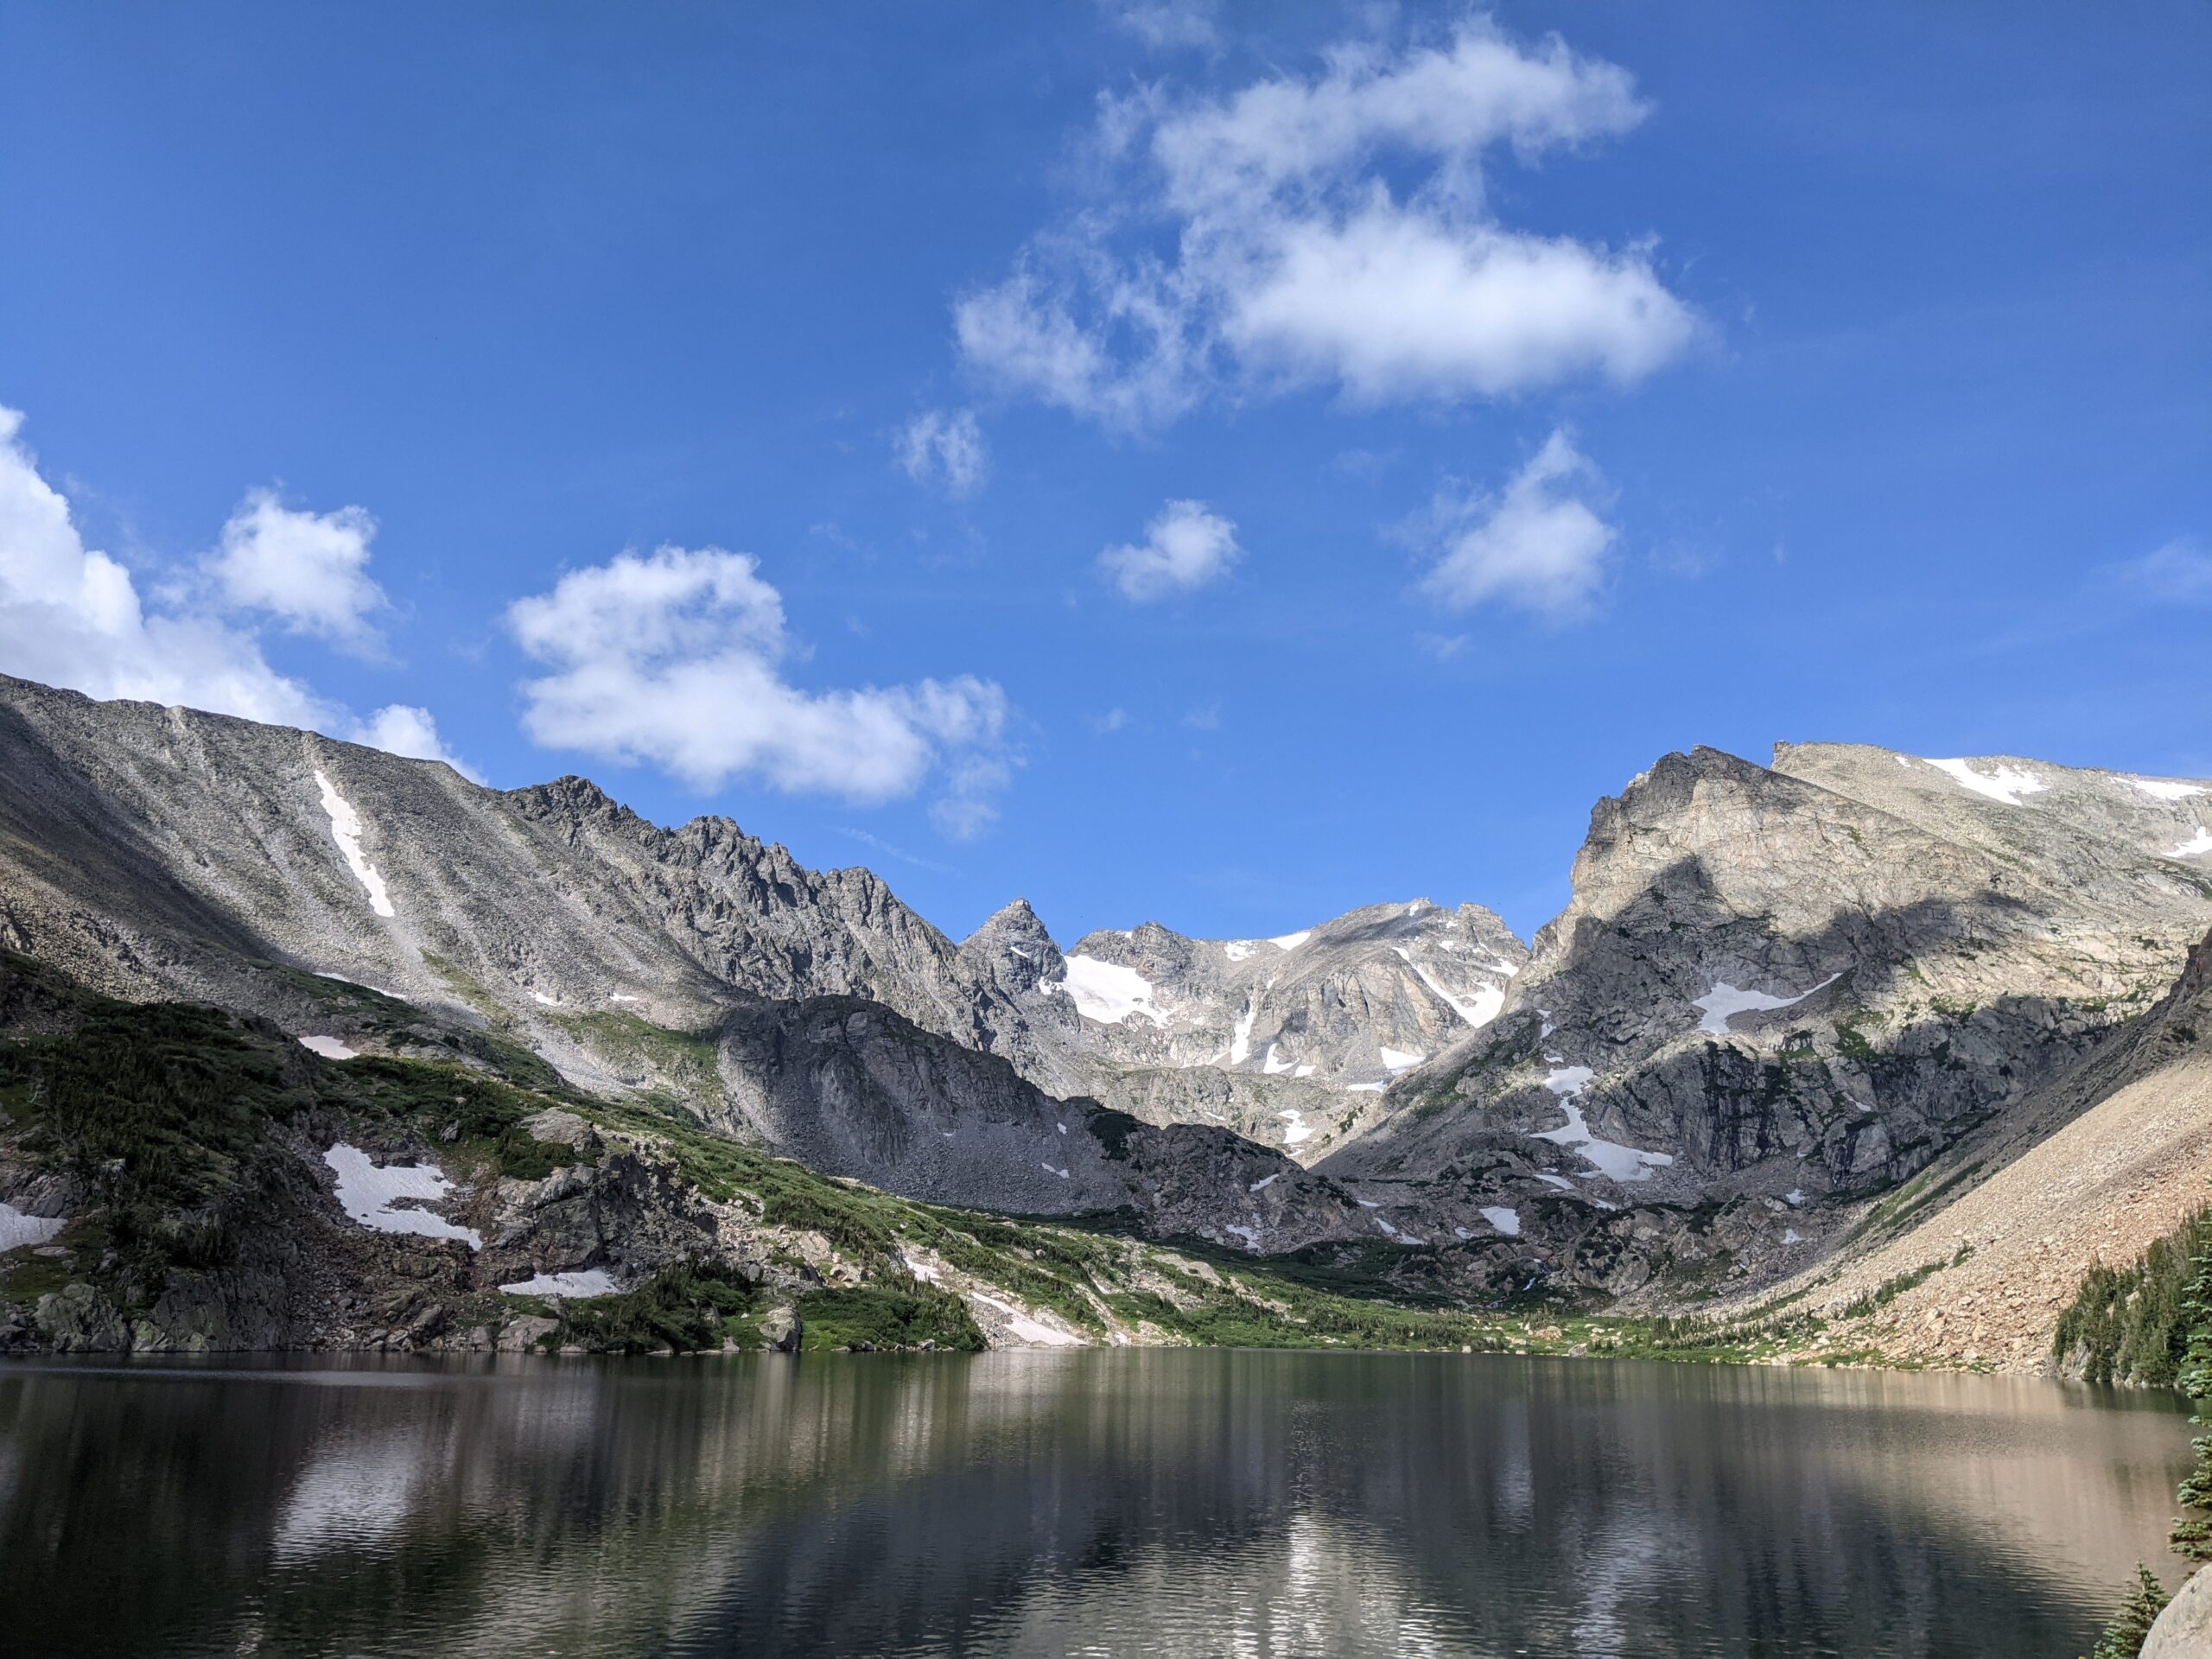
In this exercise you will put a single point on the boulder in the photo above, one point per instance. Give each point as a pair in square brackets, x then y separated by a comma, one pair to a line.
[780, 1330]
[77, 1319]
[2184, 1630]
[520, 1335]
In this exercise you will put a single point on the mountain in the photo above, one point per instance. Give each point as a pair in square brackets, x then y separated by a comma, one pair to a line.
[374, 904]
[1778, 996]
[1777, 990]
[1278, 1039]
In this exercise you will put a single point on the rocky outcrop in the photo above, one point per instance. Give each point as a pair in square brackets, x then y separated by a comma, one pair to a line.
[1285, 1040]
[2183, 1631]
[1767, 985]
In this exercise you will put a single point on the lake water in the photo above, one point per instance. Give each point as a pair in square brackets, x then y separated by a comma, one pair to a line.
[1162, 1503]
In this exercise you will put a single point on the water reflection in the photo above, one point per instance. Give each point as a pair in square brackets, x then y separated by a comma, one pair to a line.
[1171, 1503]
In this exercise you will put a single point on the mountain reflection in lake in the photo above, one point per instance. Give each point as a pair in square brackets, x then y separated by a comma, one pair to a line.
[1167, 1503]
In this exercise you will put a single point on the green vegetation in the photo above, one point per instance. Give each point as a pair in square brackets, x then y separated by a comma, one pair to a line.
[2123, 1639]
[2153, 1323]
[869, 1317]
[165, 1117]
[162, 1116]
[686, 1061]
[2133, 1322]
[2192, 1534]
[1890, 1288]
[683, 1309]
[1851, 1037]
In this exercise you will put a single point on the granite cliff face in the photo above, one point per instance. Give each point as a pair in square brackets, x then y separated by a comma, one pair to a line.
[1780, 988]
[1282, 1040]
[1779, 991]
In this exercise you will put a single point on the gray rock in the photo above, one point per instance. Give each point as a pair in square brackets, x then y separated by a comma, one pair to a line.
[2183, 1631]
[79, 1319]
[523, 1334]
[780, 1330]
[560, 1128]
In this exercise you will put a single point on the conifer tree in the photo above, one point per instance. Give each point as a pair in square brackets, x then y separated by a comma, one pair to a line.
[2192, 1534]
[2123, 1638]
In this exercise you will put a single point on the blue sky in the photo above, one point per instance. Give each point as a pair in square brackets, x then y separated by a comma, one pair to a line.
[1223, 464]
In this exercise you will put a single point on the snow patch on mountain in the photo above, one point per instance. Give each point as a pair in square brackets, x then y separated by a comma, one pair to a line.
[1292, 941]
[1240, 1042]
[1724, 1000]
[1609, 1157]
[590, 1282]
[18, 1230]
[1478, 1010]
[372, 1194]
[1109, 992]
[2200, 843]
[345, 831]
[329, 1047]
[1506, 1221]
[2006, 784]
[2164, 789]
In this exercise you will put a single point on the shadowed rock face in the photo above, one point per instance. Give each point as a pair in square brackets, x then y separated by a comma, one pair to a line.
[1796, 981]
[150, 850]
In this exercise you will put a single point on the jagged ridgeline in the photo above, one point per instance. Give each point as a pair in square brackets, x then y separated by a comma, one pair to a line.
[1782, 1004]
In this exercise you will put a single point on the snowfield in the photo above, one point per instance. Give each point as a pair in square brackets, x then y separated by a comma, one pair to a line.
[1109, 992]
[371, 1192]
[590, 1282]
[1623, 1164]
[1724, 999]
[2006, 783]
[345, 831]
[18, 1230]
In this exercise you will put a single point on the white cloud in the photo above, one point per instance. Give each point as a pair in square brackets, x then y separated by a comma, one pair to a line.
[2177, 570]
[1288, 258]
[1114, 719]
[407, 728]
[946, 447]
[1165, 24]
[675, 659]
[1187, 546]
[307, 569]
[1539, 546]
[72, 616]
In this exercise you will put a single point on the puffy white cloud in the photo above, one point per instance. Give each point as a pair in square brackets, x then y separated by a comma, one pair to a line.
[72, 616]
[675, 659]
[407, 728]
[1291, 260]
[946, 447]
[1187, 546]
[1539, 546]
[1395, 304]
[307, 569]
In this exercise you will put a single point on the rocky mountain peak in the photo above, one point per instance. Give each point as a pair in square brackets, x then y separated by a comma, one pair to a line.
[1013, 952]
